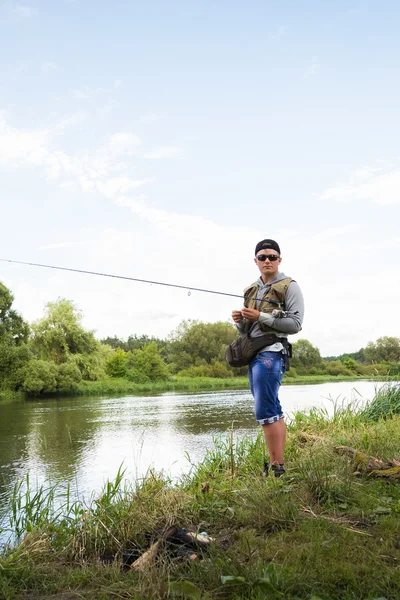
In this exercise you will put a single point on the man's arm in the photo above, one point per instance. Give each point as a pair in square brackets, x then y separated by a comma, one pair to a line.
[294, 310]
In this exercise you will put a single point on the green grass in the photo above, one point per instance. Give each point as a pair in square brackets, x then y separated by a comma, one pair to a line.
[319, 532]
[385, 404]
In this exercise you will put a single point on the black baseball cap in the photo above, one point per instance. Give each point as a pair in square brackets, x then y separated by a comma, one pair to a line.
[267, 245]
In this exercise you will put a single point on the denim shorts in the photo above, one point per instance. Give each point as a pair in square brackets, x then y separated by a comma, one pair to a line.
[266, 372]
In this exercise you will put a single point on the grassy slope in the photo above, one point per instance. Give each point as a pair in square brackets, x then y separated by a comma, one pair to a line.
[318, 532]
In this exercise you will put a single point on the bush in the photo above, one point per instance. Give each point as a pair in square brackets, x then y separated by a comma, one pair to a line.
[147, 364]
[40, 377]
[68, 376]
[336, 367]
[217, 369]
[313, 371]
[379, 370]
[116, 364]
[393, 369]
[136, 376]
[93, 366]
[13, 361]
[291, 373]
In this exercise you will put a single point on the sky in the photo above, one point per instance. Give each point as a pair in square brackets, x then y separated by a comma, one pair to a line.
[161, 140]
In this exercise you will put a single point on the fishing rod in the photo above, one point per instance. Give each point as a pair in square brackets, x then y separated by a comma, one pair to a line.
[173, 285]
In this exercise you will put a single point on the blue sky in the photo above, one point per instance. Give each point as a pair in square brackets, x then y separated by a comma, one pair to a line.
[163, 139]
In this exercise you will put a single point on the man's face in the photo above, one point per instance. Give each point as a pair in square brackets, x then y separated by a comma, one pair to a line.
[268, 268]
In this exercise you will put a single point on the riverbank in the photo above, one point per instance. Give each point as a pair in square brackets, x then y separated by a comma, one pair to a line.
[122, 387]
[192, 384]
[325, 530]
[8, 396]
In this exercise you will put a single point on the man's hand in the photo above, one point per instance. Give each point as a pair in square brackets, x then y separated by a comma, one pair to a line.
[251, 314]
[237, 316]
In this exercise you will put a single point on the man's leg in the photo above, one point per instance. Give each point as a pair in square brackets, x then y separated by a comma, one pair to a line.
[275, 438]
[265, 374]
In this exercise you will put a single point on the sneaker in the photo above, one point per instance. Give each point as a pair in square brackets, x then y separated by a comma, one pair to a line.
[278, 469]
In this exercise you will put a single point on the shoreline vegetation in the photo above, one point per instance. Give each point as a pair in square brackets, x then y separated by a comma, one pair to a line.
[327, 530]
[122, 387]
[57, 356]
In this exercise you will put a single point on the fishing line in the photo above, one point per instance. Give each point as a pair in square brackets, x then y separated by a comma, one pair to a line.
[173, 285]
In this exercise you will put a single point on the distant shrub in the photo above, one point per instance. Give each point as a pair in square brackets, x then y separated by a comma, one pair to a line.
[147, 362]
[351, 364]
[336, 367]
[93, 366]
[313, 371]
[393, 369]
[40, 377]
[291, 373]
[137, 376]
[379, 370]
[68, 376]
[217, 369]
[116, 363]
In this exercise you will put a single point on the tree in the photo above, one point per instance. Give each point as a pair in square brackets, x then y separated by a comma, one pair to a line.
[14, 353]
[134, 342]
[351, 364]
[60, 334]
[115, 342]
[146, 364]
[195, 344]
[11, 323]
[93, 366]
[305, 356]
[384, 349]
[116, 363]
[357, 356]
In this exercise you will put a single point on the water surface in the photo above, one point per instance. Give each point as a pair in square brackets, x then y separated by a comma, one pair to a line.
[83, 441]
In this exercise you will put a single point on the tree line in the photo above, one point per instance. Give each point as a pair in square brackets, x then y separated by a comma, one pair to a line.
[55, 353]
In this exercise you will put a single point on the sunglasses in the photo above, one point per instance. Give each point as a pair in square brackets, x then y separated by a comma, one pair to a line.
[271, 257]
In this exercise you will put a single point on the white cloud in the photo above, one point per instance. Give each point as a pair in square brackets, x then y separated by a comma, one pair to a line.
[131, 202]
[164, 152]
[188, 250]
[89, 93]
[101, 170]
[86, 93]
[377, 185]
[123, 142]
[47, 66]
[22, 145]
[150, 119]
[108, 95]
[63, 245]
[280, 31]
[22, 12]
[312, 68]
[112, 186]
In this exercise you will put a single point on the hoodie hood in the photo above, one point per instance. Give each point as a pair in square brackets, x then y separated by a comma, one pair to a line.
[278, 277]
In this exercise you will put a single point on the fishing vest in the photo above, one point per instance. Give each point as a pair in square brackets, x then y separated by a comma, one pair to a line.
[276, 293]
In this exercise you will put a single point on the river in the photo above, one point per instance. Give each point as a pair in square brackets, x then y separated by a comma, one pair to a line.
[83, 441]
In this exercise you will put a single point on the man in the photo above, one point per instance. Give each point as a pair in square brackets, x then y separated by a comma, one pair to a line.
[272, 305]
